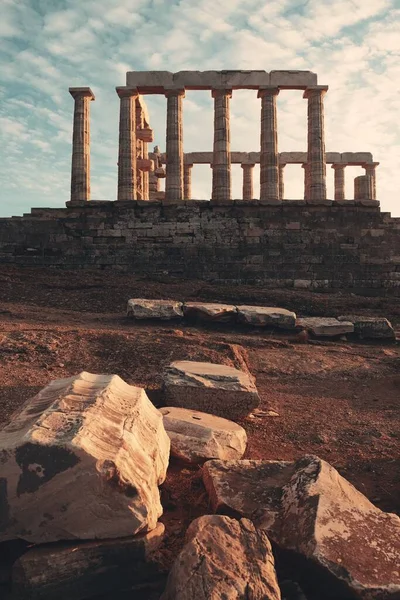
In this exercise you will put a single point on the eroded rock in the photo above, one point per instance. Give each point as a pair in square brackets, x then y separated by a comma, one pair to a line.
[216, 389]
[371, 327]
[164, 310]
[223, 558]
[204, 311]
[263, 316]
[197, 436]
[325, 326]
[82, 459]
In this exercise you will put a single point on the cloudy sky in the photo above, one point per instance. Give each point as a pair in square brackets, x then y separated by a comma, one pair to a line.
[48, 45]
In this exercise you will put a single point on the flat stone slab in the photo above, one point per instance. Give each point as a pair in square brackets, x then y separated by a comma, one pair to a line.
[197, 436]
[325, 326]
[216, 389]
[377, 328]
[264, 316]
[164, 310]
[204, 311]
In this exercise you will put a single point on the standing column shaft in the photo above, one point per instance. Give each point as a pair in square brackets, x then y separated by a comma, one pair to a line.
[281, 182]
[363, 187]
[221, 165]
[187, 182]
[127, 189]
[339, 181]
[80, 169]
[248, 192]
[269, 172]
[174, 146]
[306, 181]
[316, 157]
[140, 175]
[370, 170]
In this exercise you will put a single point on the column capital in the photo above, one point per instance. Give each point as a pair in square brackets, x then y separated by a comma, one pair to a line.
[217, 92]
[281, 164]
[315, 90]
[338, 165]
[188, 165]
[171, 92]
[126, 92]
[267, 90]
[76, 92]
[370, 164]
[248, 165]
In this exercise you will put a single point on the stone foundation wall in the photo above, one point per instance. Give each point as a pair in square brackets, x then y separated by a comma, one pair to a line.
[327, 245]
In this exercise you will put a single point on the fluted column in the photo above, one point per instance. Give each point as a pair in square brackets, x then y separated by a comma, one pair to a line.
[339, 181]
[248, 193]
[306, 181]
[269, 172]
[281, 181]
[174, 146]
[80, 168]
[221, 165]
[127, 189]
[316, 157]
[370, 170]
[363, 187]
[187, 181]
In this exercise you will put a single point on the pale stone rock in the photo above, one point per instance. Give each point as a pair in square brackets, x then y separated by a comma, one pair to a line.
[197, 436]
[262, 316]
[205, 311]
[370, 327]
[83, 459]
[223, 559]
[216, 389]
[140, 308]
[325, 326]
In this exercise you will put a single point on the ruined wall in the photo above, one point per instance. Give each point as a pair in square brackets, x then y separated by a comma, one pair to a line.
[293, 244]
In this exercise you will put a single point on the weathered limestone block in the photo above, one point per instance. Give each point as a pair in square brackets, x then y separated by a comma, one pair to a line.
[82, 459]
[223, 558]
[197, 436]
[205, 311]
[79, 570]
[325, 326]
[262, 316]
[293, 79]
[370, 327]
[140, 308]
[212, 388]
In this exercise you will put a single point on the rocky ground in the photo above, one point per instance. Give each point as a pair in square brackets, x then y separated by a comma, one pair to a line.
[339, 400]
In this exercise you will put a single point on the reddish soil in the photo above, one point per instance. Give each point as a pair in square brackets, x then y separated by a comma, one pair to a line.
[339, 400]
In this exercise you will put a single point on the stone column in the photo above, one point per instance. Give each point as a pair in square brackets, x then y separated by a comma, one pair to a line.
[248, 193]
[174, 146]
[316, 157]
[306, 181]
[281, 181]
[339, 181]
[269, 172]
[221, 165]
[370, 169]
[80, 170]
[363, 187]
[187, 181]
[127, 144]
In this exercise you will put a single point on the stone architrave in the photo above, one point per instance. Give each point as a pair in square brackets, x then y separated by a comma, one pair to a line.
[248, 193]
[281, 181]
[187, 181]
[269, 170]
[127, 172]
[223, 559]
[174, 145]
[339, 181]
[363, 187]
[370, 170]
[80, 169]
[316, 156]
[83, 459]
[221, 161]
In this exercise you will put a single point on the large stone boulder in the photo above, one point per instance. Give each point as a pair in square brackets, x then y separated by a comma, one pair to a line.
[82, 459]
[212, 388]
[223, 559]
[325, 326]
[266, 316]
[376, 328]
[205, 311]
[197, 436]
[162, 310]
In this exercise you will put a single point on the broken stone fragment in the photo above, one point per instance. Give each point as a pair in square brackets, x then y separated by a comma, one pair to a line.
[163, 310]
[83, 459]
[265, 316]
[203, 311]
[223, 558]
[216, 389]
[79, 570]
[325, 326]
[370, 327]
[197, 436]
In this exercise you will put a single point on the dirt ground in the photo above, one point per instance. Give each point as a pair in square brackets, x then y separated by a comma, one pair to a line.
[339, 400]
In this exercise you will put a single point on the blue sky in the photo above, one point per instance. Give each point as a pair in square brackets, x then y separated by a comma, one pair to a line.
[47, 46]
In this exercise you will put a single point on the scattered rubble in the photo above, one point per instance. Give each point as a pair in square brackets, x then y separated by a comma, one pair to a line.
[373, 328]
[262, 316]
[163, 310]
[203, 311]
[325, 326]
